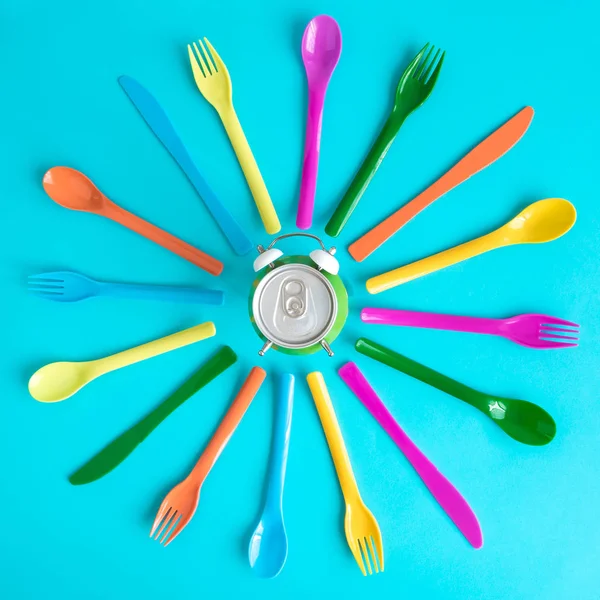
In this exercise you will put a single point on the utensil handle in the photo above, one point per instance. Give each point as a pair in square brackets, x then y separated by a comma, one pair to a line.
[228, 425]
[251, 172]
[121, 447]
[310, 166]
[160, 124]
[447, 496]
[165, 293]
[410, 318]
[333, 434]
[422, 373]
[164, 239]
[281, 441]
[484, 154]
[156, 347]
[231, 229]
[433, 263]
[362, 179]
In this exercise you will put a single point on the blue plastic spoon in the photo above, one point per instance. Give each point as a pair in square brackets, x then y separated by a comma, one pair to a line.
[268, 545]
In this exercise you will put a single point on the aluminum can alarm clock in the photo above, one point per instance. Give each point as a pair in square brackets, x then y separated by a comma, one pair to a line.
[298, 304]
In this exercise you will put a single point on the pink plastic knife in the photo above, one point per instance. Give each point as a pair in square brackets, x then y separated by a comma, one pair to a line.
[448, 497]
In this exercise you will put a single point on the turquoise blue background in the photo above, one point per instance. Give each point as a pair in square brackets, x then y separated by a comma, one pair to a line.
[61, 105]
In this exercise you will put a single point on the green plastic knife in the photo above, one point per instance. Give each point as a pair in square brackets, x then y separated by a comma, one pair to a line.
[120, 448]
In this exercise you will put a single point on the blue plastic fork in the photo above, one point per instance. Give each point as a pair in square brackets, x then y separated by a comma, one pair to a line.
[68, 286]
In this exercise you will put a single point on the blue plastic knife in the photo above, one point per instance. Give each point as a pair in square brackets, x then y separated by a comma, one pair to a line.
[159, 122]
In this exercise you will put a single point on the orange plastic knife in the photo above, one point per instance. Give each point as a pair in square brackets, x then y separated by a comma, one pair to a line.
[483, 155]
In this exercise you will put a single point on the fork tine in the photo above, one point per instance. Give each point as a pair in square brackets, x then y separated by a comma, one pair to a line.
[46, 293]
[373, 553]
[177, 530]
[198, 73]
[552, 344]
[410, 70]
[219, 64]
[422, 63]
[379, 547]
[209, 59]
[365, 552]
[41, 285]
[168, 517]
[176, 518]
[555, 321]
[200, 59]
[438, 65]
[547, 335]
[355, 549]
[164, 507]
[43, 279]
[560, 333]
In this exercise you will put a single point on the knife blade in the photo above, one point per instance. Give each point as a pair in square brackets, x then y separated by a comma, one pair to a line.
[121, 447]
[158, 121]
[484, 154]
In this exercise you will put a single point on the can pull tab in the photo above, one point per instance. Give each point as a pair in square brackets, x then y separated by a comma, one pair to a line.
[296, 314]
[294, 298]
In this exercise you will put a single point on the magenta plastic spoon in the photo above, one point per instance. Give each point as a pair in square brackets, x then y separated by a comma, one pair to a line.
[321, 49]
[448, 497]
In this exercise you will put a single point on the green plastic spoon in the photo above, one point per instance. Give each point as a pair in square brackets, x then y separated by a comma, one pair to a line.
[523, 421]
[120, 448]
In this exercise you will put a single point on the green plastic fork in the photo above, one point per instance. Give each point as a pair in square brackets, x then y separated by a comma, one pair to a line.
[413, 89]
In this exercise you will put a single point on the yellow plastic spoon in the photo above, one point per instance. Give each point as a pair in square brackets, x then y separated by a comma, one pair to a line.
[542, 221]
[57, 381]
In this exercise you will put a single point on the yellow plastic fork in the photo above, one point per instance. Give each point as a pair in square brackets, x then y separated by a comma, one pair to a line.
[362, 531]
[214, 83]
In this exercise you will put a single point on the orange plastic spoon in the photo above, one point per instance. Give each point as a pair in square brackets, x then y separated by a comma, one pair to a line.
[74, 190]
[483, 155]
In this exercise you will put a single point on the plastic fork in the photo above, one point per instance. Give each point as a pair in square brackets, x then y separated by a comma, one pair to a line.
[179, 506]
[530, 330]
[413, 89]
[362, 531]
[68, 286]
[214, 83]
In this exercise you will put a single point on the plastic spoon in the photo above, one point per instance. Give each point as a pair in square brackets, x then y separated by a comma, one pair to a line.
[521, 420]
[59, 380]
[268, 545]
[321, 49]
[74, 190]
[448, 497]
[540, 222]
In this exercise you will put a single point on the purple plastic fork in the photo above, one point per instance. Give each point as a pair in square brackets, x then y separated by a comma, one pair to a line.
[531, 330]
[448, 497]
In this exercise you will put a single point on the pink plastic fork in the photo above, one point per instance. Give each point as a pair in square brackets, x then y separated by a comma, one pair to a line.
[448, 497]
[531, 330]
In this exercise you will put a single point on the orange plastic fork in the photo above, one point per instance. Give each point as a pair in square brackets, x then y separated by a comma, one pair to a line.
[180, 504]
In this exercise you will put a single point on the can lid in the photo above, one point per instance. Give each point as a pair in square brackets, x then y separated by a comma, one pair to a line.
[294, 306]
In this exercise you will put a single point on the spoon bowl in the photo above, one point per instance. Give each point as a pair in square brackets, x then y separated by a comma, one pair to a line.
[58, 381]
[321, 48]
[542, 221]
[73, 190]
[268, 547]
[523, 421]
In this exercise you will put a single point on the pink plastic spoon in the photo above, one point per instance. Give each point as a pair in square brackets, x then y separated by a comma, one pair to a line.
[443, 491]
[321, 49]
